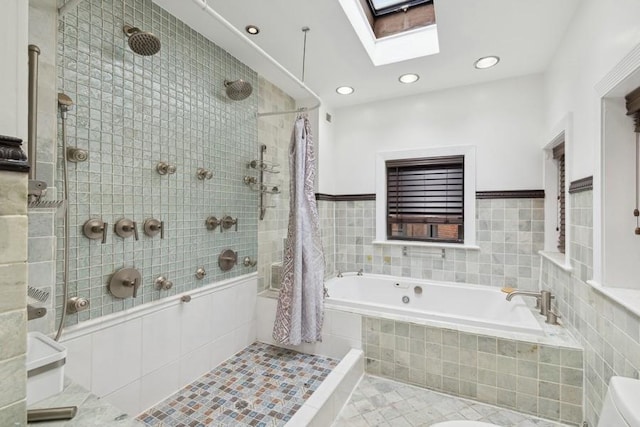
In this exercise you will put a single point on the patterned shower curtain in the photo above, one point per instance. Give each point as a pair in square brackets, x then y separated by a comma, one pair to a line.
[301, 302]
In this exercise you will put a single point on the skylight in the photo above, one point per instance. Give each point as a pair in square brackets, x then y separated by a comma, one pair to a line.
[382, 7]
[406, 44]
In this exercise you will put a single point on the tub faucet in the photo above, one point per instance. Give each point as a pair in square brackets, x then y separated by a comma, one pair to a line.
[339, 274]
[360, 272]
[543, 299]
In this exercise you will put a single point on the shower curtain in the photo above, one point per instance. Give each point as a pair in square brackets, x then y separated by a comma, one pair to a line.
[301, 302]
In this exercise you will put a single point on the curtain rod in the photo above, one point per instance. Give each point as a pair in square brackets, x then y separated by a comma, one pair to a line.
[203, 4]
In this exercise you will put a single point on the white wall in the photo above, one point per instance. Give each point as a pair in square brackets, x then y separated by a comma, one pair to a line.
[503, 119]
[600, 35]
[621, 245]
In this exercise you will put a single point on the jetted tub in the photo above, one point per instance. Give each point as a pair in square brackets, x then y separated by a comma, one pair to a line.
[443, 302]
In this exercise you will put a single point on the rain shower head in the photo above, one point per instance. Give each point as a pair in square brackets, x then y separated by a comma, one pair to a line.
[238, 89]
[142, 42]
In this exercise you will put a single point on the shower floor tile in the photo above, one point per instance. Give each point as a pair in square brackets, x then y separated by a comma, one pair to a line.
[262, 385]
[385, 403]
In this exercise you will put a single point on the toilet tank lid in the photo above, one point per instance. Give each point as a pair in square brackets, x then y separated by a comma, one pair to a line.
[625, 392]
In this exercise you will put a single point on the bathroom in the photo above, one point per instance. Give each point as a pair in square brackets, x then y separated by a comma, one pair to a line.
[165, 140]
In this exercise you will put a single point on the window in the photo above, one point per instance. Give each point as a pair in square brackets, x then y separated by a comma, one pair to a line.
[383, 7]
[425, 199]
[558, 156]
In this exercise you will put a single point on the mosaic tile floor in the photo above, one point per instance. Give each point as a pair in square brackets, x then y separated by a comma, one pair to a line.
[385, 403]
[261, 386]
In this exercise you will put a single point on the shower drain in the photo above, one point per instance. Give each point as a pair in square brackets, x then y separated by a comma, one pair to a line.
[241, 404]
[405, 299]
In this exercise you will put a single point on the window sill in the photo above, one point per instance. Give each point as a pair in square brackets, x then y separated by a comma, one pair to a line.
[558, 259]
[434, 245]
[628, 298]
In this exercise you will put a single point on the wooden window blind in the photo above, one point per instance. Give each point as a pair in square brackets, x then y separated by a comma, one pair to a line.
[558, 155]
[425, 199]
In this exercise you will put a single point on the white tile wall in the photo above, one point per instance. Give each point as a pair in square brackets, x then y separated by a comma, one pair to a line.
[137, 358]
[116, 357]
[160, 339]
[157, 385]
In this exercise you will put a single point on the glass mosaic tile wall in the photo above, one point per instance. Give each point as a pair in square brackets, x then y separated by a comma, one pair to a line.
[132, 112]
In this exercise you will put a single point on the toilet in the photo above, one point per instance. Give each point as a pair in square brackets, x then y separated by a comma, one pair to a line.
[620, 407]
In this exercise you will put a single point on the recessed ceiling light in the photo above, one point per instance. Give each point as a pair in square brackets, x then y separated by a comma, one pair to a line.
[409, 78]
[252, 29]
[345, 90]
[486, 62]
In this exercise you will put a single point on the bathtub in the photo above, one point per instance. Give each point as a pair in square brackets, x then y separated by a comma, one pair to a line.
[428, 301]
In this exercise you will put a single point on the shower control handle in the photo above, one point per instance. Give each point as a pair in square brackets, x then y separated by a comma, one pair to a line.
[153, 226]
[212, 222]
[163, 284]
[203, 174]
[227, 221]
[125, 283]
[95, 229]
[135, 283]
[126, 228]
[164, 168]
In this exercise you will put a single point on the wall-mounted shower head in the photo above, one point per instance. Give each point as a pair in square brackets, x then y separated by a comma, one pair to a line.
[238, 89]
[142, 42]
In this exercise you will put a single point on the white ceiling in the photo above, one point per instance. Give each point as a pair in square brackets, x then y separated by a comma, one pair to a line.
[523, 33]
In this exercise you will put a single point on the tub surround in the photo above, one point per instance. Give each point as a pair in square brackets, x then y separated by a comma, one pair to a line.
[510, 232]
[527, 376]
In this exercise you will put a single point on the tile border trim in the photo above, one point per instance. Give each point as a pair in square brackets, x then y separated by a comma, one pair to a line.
[514, 194]
[12, 158]
[345, 197]
[580, 185]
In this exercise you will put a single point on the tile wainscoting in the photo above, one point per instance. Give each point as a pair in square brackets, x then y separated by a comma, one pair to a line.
[510, 232]
[609, 333]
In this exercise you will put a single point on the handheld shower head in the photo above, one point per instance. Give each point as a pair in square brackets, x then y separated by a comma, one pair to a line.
[142, 42]
[64, 104]
[238, 89]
